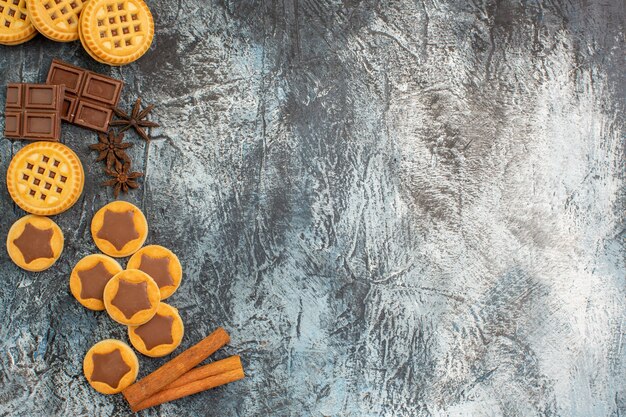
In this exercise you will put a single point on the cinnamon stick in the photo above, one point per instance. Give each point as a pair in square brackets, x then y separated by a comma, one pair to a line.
[175, 368]
[214, 368]
[190, 388]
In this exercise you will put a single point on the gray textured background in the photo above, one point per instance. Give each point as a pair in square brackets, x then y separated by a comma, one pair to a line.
[396, 208]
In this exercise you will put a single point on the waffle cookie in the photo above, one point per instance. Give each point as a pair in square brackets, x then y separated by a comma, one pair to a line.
[15, 24]
[160, 335]
[110, 366]
[45, 178]
[116, 32]
[131, 297]
[90, 276]
[119, 229]
[56, 19]
[34, 243]
[161, 264]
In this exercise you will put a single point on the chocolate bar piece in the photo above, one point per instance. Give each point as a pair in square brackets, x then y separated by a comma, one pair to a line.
[89, 97]
[33, 111]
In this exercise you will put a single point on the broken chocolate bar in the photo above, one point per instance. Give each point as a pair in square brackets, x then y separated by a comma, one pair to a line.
[33, 111]
[89, 97]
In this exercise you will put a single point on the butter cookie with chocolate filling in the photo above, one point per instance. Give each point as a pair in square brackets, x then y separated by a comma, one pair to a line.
[131, 297]
[89, 277]
[161, 264]
[34, 243]
[160, 335]
[119, 229]
[110, 366]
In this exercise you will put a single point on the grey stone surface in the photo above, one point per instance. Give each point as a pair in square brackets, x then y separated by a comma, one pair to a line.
[396, 208]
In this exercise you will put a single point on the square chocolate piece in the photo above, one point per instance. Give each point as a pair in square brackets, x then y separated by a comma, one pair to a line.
[89, 97]
[33, 111]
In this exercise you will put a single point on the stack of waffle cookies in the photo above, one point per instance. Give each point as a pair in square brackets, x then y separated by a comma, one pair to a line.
[113, 32]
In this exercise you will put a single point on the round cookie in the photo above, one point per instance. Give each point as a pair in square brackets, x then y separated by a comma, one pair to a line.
[45, 178]
[119, 229]
[34, 243]
[161, 264]
[90, 276]
[160, 335]
[110, 366]
[131, 297]
[56, 19]
[85, 47]
[15, 24]
[116, 33]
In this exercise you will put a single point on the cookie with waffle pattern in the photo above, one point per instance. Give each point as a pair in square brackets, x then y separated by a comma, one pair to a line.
[116, 32]
[15, 23]
[56, 19]
[45, 178]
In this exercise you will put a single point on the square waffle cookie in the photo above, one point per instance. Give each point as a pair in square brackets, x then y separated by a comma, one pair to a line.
[45, 178]
[56, 19]
[116, 32]
[15, 24]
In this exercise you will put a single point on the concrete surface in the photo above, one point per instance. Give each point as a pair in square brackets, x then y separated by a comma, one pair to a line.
[396, 208]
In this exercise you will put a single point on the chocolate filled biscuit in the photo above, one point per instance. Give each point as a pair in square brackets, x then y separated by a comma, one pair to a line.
[131, 297]
[110, 366]
[90, 276]
[119, 229]
[160, 335]
[34, 243]
[161, 264]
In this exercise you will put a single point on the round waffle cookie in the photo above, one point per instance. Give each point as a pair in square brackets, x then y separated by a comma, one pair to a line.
[116, 32]
[56, 19]
[45, 178]
[15, 24]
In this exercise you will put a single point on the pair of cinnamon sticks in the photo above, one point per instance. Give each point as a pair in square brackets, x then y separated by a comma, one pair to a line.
[180, 378]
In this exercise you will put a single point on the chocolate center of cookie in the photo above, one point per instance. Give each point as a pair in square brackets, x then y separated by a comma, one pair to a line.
[109, 368]
[118, 228]
[131, 298]
[158, 331]
[158, 269]
[93, 281]
[34, 243]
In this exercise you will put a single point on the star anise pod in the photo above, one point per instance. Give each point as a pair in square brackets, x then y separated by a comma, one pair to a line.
[111, 148]
[123, 178]
[136, 119]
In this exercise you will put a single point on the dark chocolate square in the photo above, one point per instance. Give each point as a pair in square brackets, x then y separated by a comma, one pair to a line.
[68, 110]
[102, 89]
[40, 96]
[89, 97]
[39, 125]
[12, 124]
[92, 116]
[14, 96]
[70, 76]
[33, 111]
